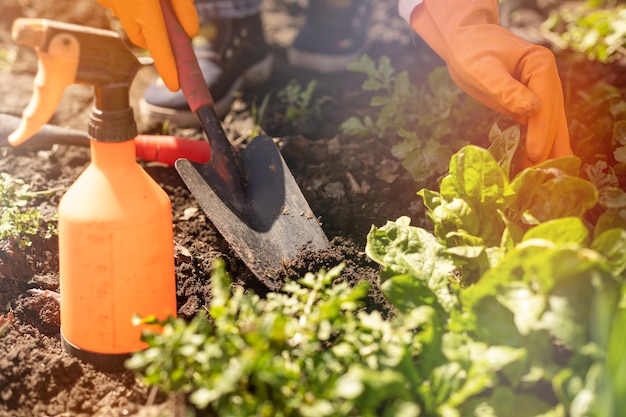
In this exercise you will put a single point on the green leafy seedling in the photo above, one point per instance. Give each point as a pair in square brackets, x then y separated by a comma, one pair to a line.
[17, 220]
[426, 124]
[528, 299]
[258, 113]
[301, 102]
[310, 350]
[5, 322]
[393, 96]
[594, 28]
[7, 58]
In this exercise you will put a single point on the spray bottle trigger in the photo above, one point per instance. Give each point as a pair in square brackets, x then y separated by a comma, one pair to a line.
[57, 68]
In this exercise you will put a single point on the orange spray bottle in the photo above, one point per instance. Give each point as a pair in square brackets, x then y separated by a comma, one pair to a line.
[116, 253]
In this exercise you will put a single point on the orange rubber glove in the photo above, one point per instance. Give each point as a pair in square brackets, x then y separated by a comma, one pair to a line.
[498, 69]
[143, 22]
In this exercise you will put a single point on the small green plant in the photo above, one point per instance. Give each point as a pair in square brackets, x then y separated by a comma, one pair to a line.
[426, 125]
[6, 321]
[301, 102]
[165, 128]
[17, 220]
[307, 351]
[479, 207]
[7, 57]
[258, 113]
[396, 100]
[594, 28]
[619, 133]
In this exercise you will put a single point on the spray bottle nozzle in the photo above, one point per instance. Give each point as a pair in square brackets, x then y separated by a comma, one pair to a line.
[71, 54]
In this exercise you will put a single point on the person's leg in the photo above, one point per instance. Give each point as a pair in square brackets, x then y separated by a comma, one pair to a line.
[334, 35]
[209, 10]
[232, 53]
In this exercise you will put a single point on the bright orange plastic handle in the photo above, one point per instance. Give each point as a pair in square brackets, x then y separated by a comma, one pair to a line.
[56, 70]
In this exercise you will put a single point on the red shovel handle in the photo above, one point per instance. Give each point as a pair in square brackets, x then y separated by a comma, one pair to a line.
[189, 75]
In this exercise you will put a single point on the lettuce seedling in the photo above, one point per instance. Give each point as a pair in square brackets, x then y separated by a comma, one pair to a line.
[526, 277]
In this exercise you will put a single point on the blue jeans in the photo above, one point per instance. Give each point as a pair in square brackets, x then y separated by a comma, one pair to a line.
[228, 9]
[233, 9]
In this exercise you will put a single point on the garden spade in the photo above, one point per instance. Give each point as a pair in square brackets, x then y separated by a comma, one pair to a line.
[250, 196]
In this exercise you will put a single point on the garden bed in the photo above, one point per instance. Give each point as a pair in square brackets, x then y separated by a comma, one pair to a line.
[350, 183]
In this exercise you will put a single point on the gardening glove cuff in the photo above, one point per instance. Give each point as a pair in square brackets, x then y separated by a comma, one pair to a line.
[498, 69]
[405, 7]
[143, 22]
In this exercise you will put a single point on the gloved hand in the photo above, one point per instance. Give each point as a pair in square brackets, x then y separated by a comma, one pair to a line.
[498, 69]
[143, 22]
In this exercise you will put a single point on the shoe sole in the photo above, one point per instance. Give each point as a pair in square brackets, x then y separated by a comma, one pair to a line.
[256, 74]
[326, 64]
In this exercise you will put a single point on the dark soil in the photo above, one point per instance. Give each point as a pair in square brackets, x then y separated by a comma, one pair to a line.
[350, 185]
